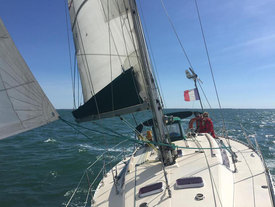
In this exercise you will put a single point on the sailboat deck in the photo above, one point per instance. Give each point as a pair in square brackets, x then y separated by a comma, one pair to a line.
[222, 186]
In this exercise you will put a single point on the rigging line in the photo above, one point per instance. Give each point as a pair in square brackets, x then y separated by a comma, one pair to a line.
[86, 201]
[110, 57]
[205, 95]
[110, 31]
[71, 125]
[70, 56]
[74, 81]
[174, 29]
[88, 71]
[116, 158]
[123, 35]
[68, 203]
[111, 68]
[209, 62]
[134, 118]
[130, 126]
[100, 157]
[252, 177]
[109, 129]
[209, 170]
[247, 178]
[124, 40]
[121, 136]
[93, 130]
[80, 42]
[78, 87]
[163, 144]
[154, 65]
[135, 44]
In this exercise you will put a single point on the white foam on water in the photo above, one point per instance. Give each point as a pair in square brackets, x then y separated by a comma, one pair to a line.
[53, 173]
[85, 147]
[50, 140]
[79, 190]
[270, 163]
[268, 135]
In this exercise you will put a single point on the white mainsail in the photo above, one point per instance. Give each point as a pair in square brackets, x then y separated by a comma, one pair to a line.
[23, 104]
[106, 47]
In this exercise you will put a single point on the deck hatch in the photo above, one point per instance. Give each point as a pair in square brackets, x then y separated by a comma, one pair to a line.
[189, 182]
[150, 189]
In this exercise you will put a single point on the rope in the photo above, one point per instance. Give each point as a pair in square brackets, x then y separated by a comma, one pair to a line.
[90, 187]
[70, 56]
[252, 176]
[204, 95]
[174, 29]
[133, 140]
[68, 203]
[209, 62]
[151, 55]
[210, 173]
[77, 125]
[99, 158]
[85, 61]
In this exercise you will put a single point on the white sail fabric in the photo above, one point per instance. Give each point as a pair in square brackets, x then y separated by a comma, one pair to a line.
[106, 44]
[23, 104]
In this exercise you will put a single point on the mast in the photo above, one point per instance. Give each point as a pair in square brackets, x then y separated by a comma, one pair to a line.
[194, 77]
[167, 153]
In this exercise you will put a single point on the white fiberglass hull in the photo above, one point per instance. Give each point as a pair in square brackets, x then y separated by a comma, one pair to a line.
[245, 184]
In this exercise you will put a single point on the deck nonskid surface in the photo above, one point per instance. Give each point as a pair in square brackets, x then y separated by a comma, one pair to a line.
[221, 187]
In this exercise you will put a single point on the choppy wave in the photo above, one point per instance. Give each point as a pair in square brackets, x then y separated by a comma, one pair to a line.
[42, 167]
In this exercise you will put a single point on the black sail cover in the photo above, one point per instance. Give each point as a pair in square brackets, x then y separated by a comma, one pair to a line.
[108, 59]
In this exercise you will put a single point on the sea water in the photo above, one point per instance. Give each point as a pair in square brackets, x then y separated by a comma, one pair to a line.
[43, 167]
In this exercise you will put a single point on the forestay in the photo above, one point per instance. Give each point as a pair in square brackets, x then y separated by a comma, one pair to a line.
[108, 58]
[23, 104]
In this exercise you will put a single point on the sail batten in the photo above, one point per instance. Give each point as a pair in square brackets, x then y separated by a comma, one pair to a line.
[23, 104]
[106, 49]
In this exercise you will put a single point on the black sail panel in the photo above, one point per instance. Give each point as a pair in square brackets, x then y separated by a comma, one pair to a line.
[118, 96]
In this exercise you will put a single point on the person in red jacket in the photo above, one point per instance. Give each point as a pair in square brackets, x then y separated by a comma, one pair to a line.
[206, 125]
[197, 119]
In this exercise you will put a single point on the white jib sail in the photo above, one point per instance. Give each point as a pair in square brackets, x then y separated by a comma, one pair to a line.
[105, 42]
[23, 104]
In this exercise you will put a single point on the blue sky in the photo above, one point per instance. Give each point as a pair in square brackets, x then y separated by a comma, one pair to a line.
[240, 36]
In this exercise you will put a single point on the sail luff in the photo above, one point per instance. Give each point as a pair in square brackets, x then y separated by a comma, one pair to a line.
[23, 104]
